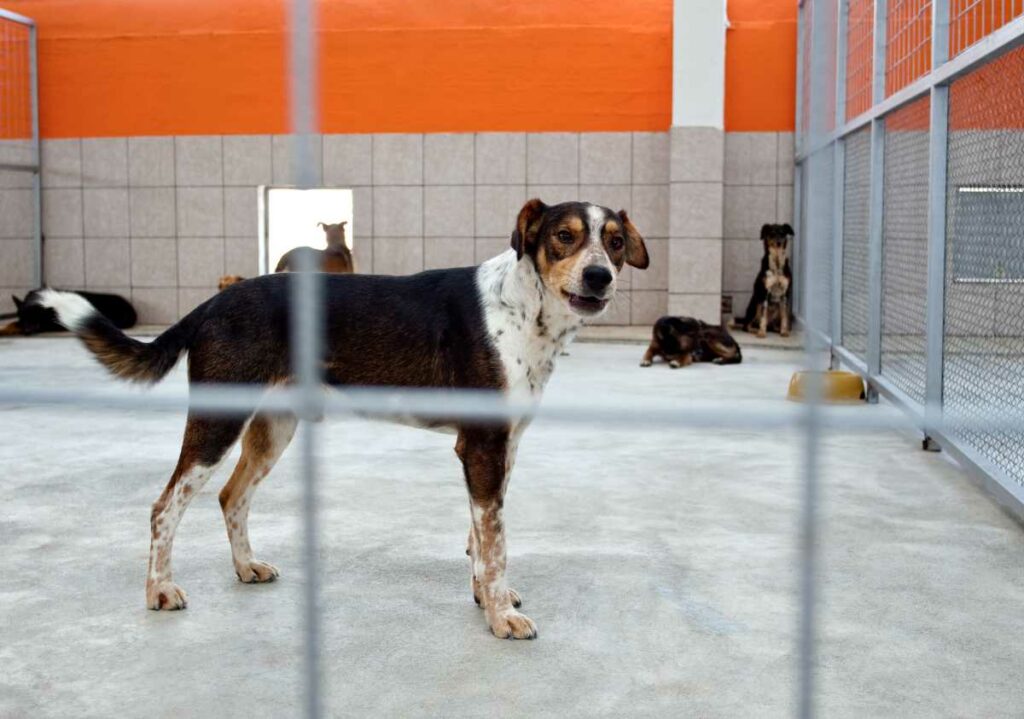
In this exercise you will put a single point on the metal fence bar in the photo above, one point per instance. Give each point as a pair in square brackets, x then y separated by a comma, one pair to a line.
[838, 208]
[938, 134]
[307, 330]
[875, 239]
[878, 53]
[37, 179]
[1003, 40]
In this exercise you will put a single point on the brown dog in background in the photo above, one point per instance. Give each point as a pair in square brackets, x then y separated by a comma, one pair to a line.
[227, 280]
[337, 258]
[683, 340]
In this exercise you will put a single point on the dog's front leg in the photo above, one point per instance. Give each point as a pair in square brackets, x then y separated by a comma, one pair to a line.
[784, 317]
[486, 462]
[762, 328]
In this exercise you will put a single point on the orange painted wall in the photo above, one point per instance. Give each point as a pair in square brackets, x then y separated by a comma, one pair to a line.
[160, 67]
[760, 66]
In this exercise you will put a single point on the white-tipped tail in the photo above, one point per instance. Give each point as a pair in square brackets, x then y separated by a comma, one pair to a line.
[73, 311]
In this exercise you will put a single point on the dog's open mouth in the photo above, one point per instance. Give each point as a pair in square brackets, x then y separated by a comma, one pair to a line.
[584, 304]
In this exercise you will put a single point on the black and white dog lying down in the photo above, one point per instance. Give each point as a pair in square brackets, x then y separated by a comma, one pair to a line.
[33, 317]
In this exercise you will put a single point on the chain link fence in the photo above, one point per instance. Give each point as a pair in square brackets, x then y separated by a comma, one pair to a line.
[929, 200]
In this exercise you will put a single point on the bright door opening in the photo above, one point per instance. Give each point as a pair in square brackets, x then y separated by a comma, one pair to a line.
[293, 217]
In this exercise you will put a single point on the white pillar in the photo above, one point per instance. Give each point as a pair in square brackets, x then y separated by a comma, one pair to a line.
[697, 159]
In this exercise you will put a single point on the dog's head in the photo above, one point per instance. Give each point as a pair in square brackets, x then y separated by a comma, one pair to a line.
[335, 233]
[228, 280]
[578, 250]
[775, 237]
[34, 317]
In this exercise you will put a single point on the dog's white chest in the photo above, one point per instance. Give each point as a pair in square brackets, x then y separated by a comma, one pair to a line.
[525, 327]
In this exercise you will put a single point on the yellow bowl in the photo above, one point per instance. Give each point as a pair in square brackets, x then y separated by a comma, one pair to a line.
[837, 387]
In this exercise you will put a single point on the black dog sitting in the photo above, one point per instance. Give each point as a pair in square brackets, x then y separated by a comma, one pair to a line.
[33, 318]
[769, 306]
[682, 340]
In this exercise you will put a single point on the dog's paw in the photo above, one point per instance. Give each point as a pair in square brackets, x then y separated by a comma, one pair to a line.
[165, 595]
[762, 334]
[645, 363]
[785, 334]
[256, 572]
[510, 624]
[675, 364]
[718, 360]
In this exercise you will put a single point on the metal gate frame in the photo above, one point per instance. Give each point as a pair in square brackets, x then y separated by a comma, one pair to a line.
[34, 165]
[822, 128]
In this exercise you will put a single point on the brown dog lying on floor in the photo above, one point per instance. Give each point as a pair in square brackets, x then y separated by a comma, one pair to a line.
[337, 258]
[682, 340]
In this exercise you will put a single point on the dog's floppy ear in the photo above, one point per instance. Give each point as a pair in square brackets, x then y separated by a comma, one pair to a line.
[17, 303]
[766, 231]
[343, 223]
[636, 250]
[788, 229]
[321, 224]
[524, 236]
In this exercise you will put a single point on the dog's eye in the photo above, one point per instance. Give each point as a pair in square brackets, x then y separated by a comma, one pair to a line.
[618, 243]
[565, 236]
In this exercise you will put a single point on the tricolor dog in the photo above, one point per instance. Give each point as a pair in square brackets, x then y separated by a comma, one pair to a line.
[499, 326]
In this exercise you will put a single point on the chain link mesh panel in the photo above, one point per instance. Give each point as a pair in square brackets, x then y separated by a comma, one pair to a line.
[984, 315]
[860, 24]
[856, 205]
[971, 20]
[16, 129]
[908, 53]
[905, 248]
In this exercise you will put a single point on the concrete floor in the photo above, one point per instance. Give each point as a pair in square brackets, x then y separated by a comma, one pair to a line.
[658, 565]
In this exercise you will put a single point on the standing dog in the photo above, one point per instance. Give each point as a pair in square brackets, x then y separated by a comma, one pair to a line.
[336, 258]
[499, 326]
[770, 303]
[682, 340]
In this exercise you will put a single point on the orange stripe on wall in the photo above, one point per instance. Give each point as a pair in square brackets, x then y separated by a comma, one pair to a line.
[760, 66]
[158, 67]
[116, 67]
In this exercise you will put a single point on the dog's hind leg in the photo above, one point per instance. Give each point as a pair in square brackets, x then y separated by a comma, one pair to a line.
[265, 440]
[206, 442]
[487, 456]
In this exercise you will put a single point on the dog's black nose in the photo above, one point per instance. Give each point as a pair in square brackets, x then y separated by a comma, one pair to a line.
[596, 278]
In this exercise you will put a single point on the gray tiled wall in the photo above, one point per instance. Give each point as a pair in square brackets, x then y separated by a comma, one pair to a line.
[161, 218]
[758, 190]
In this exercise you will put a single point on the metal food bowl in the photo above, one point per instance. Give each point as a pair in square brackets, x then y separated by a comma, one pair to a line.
[837, 387]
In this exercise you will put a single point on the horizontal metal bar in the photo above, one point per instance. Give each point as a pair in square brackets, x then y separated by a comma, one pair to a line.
[486, 406]
[999, 42]
[15, 17]
[989, 476]
[850, 360]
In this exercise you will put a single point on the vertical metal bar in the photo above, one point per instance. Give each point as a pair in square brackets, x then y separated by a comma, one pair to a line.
[838, 207]
[839, 173]
[938, 133]
[798, 225]
[878, 52]
[876, 208]
[940, 32]
[306, 332]
[842, 28]
[37, 190]
[801, 130]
